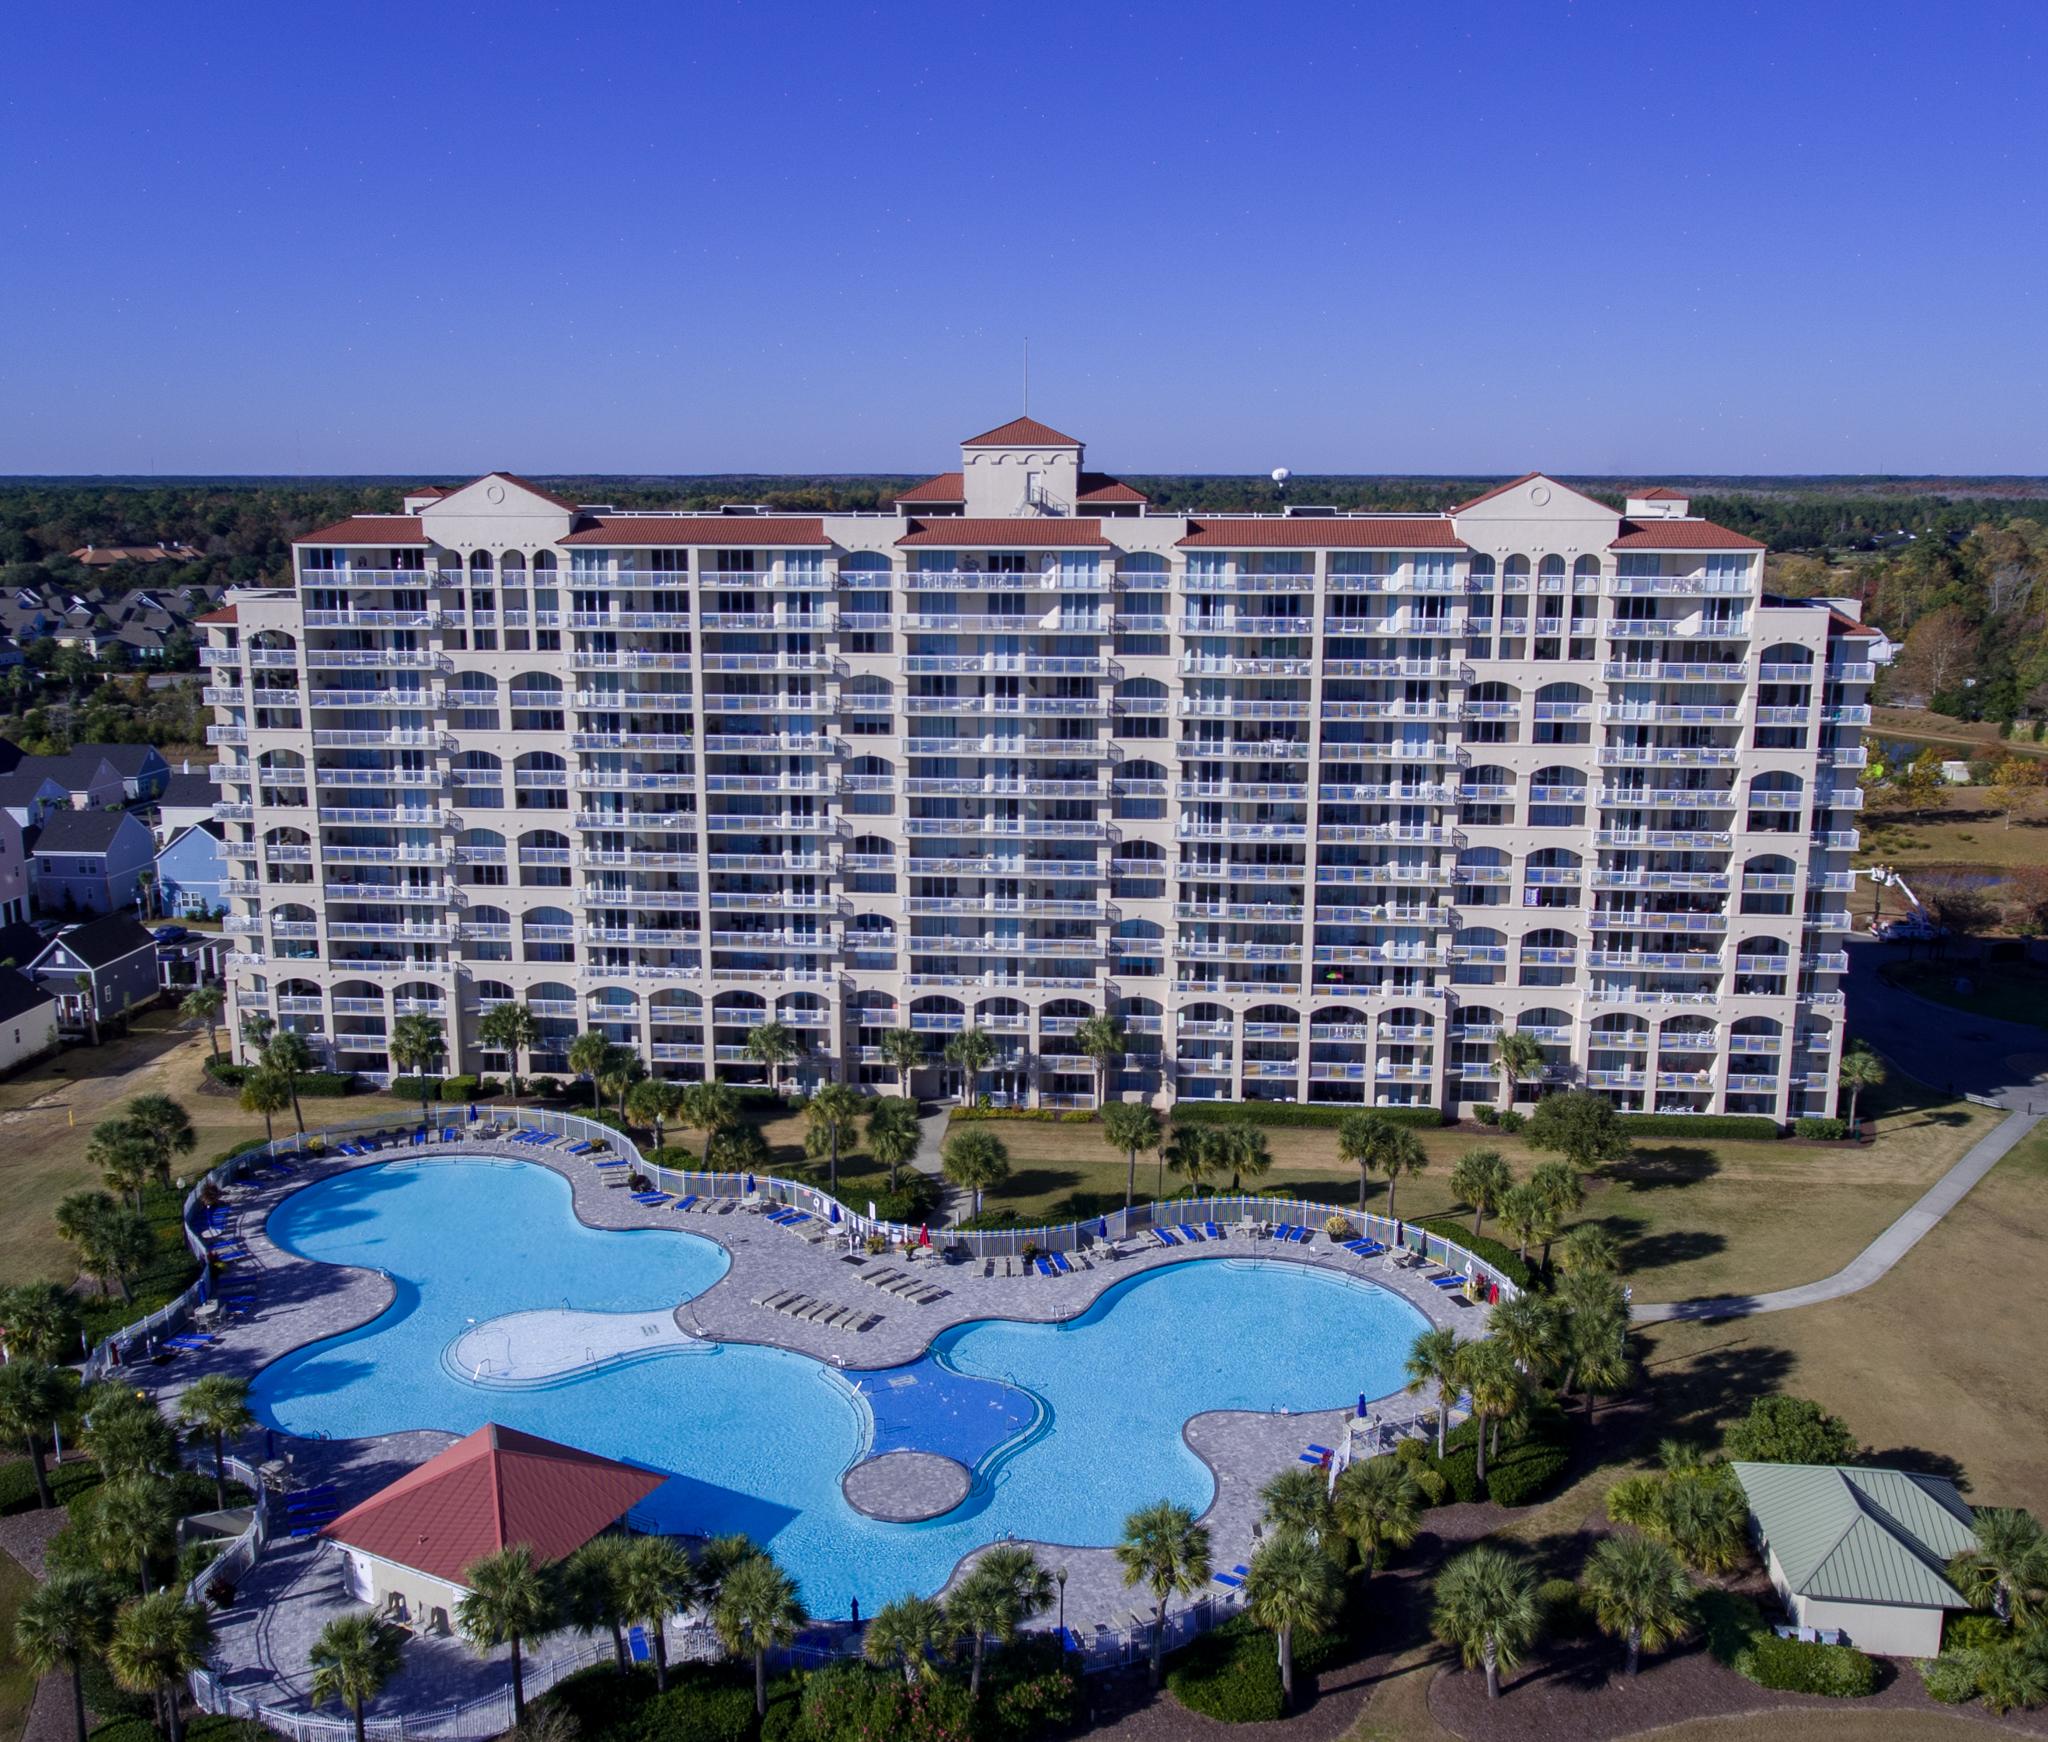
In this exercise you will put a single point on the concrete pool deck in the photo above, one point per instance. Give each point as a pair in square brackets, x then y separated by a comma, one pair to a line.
[301, 1301]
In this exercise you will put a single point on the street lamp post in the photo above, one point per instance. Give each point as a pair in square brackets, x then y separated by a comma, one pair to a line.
[1060, 1579]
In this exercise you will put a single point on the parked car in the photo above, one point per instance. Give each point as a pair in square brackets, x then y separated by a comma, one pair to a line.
[171, 934]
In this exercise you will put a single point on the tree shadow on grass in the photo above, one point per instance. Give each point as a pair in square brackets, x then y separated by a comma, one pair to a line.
[1666, 1164]
[1035, 1182]
[1706, 1390]
[1672, 1246]
[1919, 1461]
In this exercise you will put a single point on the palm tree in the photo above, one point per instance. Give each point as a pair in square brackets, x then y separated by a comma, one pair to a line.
[1103, 1040]
[653, 1102]
[166, 1127]
[903, 1048]
[352, 1659]
[833, 1114]
[655, 1579]
[1005, 1588]
[416, 1042]
[1361, 1139]
[510, 1599]
[590, 1056]
[593, 1594]
[267, 1092]
[709, 1107]
[774, 1044]
[1130, 1126]
[1402, 1153]
[256, 1031]
[512, 1029]
[1860, 1069]
[34, 1398]
[1519, 1058]
[124, 1155]
[157, 1642]
[757, 1609]
[61, 1624]
[906, 1633]
[1291, 1587]
[970, 1052]
[1242, 1149]
[113, 1242]
[1486, 1607]
[203, 1004]
[1525, 1216]
[1481, 1178]
[1495, 1383]
[974, 1160]
[1530, 1329]
[1297, 1500]
[736, 1149]
[38, 1319]
[88, 1005]
[1194, 1153]
[1558, 1186]
[1588, 1247]
[125, 1433]
[2008, 1569]
[1433, 1360]
[288, 1054]
[135, 1521]
[1164, 1549]
[218, 1405]
[1378, 1504]
[893, 1133]
[1640, 1594]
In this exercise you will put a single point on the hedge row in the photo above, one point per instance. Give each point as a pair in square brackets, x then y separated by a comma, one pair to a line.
[1530, 1464]
[1485, 1246]
[1294, 1113]
[454, 1090]
[1795, 1666]
[313, 1085]
[1745, 1125]
[1035, 1115]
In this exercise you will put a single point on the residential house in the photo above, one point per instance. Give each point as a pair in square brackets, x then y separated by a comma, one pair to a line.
[28, 795]
[406, 1548]
[104, 774]
[190, 873]
[91, 861]
[1861, 1552]
[28, 1019]
[188, 797]
[97, 971]
[106, 556]
[16, 886]
[198, 960]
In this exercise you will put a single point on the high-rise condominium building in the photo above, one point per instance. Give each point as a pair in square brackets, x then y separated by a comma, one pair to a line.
[1317, 804]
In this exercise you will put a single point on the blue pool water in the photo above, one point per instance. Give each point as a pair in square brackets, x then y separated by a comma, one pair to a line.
[1069, 1427]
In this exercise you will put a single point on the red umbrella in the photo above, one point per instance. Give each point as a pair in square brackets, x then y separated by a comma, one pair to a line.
[924, 1235]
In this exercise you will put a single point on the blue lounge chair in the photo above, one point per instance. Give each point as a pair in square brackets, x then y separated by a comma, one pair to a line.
[1447, 1283]
[650, 1198]
[449, 1133]
[1166, 1236]
[1230, 1579]
[583, 1148]
[607, 1164]
[1191, 1234]
[1321, 1451]
[1070, 1640]
[685, 1203]
[283, 1166]
[637, 1647]
[1302, 1236]
[1045, 1267]
[1214, 1232]
[1059, 1263]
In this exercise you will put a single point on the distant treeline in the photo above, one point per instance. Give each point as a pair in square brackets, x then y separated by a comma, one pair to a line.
[243, 528]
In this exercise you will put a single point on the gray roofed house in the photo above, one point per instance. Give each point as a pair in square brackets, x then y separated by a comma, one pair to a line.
[29, 794]
[114, 956]
[28, 1018]
[188, 797]
[1862, 1552]
[90, 861]
[103, 774]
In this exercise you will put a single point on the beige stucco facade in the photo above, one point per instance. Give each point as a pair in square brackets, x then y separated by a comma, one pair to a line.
[1880, 1629]
[1318, 805]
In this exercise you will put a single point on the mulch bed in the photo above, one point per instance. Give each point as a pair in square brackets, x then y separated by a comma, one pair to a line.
[1579, 1694]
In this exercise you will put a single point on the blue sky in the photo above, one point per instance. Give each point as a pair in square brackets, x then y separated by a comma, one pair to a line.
[684, 237]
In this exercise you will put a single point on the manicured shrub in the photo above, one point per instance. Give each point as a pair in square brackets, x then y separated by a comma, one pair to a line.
[67, 1482]
[1562, 1609]
[416, 1088]
[853, 1703]
[1030, 1115]
[1950, 1678]
[1035, 1705]
[546, 1088]
[1820, 1130]
[1459, 1467]
[1486, 1113]
[1512, 1119]
[1731, 1622]
[1792, 1666]
[915, 1198]
[456, 1090]
[700, 1706]
[1230, 1674]
[313, 1085]
[1485, 1246]
[991, 1222]
[1975, 1632]
[1518, 1480]
[1292, 1113]
[1742, 1125]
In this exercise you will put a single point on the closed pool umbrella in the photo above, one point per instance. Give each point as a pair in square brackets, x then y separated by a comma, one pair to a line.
[750, 1185]
[924, 1235]
[835, 1212]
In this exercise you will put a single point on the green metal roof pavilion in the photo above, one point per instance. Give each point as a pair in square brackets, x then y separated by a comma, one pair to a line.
[1847, 1535]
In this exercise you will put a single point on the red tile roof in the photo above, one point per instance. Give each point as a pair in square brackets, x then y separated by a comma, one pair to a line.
[437, 491]
[1313, 532]
[946, 487]
[1042, 534]
[1848, 626]
[1497, 490]
[1101, 487]
[1661, 494]
[369, 529]
[728, 531]
[226, 614]
[1680, 535]
[490, 1491]
[1022, 432]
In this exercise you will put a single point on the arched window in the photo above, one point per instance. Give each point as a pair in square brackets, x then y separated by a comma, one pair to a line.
[537, 702]
[540, 781]
[547, 934]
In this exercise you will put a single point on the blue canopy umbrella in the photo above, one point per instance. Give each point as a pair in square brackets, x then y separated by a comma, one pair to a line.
[750, 1185]
[1102, 1228]
[835, 1212]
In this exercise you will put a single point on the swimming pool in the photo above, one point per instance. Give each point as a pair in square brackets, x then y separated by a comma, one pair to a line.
[1069, 1427]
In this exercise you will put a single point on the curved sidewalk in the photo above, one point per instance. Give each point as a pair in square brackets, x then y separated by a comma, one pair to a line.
[1876, 1258]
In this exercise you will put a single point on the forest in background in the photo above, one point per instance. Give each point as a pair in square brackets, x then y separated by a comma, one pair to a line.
[1955, 567]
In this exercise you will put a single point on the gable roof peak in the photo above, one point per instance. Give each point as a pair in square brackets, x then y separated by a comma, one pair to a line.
[1022, 432]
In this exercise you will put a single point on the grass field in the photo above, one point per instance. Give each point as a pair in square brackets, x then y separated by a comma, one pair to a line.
[1961, 830]
[1968, 737]
[1693, 1218]
[17, 1686]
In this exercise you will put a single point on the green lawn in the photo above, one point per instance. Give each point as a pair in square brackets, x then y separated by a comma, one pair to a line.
[1693, 1218]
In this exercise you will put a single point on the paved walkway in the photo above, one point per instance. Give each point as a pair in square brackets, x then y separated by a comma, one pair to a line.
[1876, 1258]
